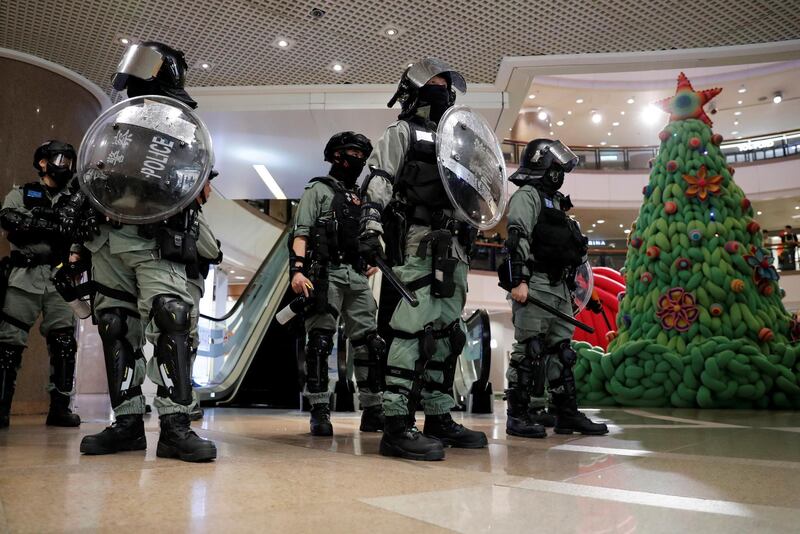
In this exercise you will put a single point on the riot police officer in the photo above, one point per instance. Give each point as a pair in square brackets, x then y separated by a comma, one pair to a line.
[140, 273]
[545, 247]
[38, 243]
[325, 262]
[422, 235]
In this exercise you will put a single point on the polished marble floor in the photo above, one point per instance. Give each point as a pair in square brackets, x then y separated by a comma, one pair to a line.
[656, 471]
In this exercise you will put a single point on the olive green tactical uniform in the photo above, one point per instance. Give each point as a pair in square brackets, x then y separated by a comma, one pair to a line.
[30, 292]
[439, 314]
[529, 320]
[348, 293]
[124, 261]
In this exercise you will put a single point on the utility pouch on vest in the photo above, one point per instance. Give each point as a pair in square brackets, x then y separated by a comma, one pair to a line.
[177, 246]
[444, 267]
[395, 230]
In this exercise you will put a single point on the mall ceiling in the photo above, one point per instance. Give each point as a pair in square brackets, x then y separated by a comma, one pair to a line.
[374, 40]
[745, 107]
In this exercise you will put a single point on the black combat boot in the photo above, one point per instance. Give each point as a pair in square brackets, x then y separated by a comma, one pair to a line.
[542, 416]
[178, 440]
[452, 434]
[402, 439]
[60, 414]
[518, 419]
[372, 419]
[321, 420]
[569, 421]
[125, 434]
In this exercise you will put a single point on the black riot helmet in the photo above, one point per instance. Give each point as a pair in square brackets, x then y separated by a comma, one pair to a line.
[153, 68]
[60, 159]
[546, 160]
[344, 166]
[410, 92]
[345, 140]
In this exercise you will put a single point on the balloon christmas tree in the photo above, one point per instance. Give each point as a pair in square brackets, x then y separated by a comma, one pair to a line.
[701, 321]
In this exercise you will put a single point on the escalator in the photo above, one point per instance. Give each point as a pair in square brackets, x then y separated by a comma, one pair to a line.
[245, 357]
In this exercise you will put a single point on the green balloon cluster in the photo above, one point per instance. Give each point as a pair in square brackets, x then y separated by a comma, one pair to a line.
[701, 323]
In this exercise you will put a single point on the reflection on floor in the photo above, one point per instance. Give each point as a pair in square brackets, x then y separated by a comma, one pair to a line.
[657, 471]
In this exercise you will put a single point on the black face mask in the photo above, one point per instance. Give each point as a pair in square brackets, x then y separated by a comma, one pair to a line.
[347, 169]
[60, 175]
[437, 97]
[552, 180]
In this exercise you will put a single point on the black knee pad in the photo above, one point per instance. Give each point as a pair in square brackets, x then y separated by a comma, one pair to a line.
[120, 356]
[565, 383]
[566, 355]
[376, 354]
[171, 313]
[62, 347]
[10, 356]
[457, 338]
[532, 369]
[319, 347]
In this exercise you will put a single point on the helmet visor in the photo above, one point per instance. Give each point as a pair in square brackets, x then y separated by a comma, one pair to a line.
[422, 71]
[139, 61]
[62, 160]
[563, 155]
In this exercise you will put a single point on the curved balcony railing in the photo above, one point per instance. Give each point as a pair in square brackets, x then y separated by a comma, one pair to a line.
[749, 150]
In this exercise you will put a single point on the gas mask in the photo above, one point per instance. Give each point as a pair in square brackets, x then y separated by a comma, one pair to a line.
[437, 97]
[60, 169]
[347, 168]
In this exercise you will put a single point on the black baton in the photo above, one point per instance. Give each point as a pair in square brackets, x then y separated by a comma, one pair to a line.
[561, 315]
[398, 284]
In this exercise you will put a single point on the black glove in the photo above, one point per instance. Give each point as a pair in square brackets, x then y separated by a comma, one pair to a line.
[369, 247]
[594, 305]
[87, 226]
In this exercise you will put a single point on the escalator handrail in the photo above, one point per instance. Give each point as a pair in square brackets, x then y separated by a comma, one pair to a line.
[252, 283]
[486, 344]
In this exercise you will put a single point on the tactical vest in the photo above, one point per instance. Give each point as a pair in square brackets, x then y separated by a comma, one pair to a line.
[419, 181]
[35, 195]
[343, 237]
[556, 240]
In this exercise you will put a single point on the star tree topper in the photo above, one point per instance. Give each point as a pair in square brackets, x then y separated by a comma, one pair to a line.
[688, 103]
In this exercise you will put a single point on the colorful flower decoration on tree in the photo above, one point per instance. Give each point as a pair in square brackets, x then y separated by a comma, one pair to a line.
[765, 335]
[732, 247]
[683, 263]
[677, 310]
[695, 236]
[761, 262]
[670, 208]
[646, 278]
[737, 285]
[702, 185]
[695, 143]
[715, 309]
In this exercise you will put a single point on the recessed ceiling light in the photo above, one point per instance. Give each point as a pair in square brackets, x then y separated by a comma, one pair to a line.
[239, 277]
[551, 133]
[579, 101]
[600, 221]
[531, 96]
[205, 66]
[593, 225]
[550, 124]
[736, 123]
[614, 124]
[232, 271]
[734, 132]
[758, 213]
[777, 98]
[124, 40]
[622, 113]
[589, 231]
[742, 89]
[590, 146]
[627, 230]
[542, 115]
[391, 32]
[560, 123]
[630, 101]
[337, 67]
[609, 133]
[283, 43]
[569, 112]
[737, 113]
[510, 129]
[797, 207]
[621, 225]
[739, 102]
[597, 118]
[603, 143]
